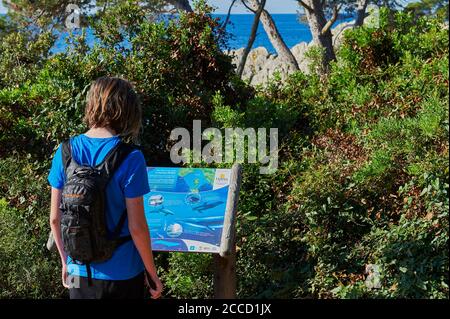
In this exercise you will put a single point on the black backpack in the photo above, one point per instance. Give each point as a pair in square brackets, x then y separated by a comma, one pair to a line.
[84, 229]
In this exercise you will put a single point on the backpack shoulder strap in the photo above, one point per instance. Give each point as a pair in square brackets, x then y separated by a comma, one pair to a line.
[108, 166]
[114, 158]
[66, 152]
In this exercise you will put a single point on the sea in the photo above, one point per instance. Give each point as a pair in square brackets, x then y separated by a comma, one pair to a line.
[291, 27]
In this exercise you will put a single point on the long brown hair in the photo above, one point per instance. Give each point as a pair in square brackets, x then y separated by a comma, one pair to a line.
[112, 102]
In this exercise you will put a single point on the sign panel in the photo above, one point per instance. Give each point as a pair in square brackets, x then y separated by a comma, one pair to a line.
[185, 208]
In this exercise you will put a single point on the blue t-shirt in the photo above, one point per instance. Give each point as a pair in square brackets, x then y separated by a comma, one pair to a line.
[129, 180]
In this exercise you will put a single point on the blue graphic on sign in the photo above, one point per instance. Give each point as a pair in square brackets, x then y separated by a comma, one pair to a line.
[185, 208]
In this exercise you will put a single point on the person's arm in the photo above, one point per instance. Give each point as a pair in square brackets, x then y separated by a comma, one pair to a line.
[55, 222]
[137, 225]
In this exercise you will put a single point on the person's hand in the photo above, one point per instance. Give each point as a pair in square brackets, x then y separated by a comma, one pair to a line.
[64, 275]
[156, 288]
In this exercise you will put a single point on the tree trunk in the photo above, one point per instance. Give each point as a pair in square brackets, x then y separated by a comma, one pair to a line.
[361, 12]
[321, 36]
[274, 36]
[252, 38]
[277, 41]
[224, 25]
[391, 14]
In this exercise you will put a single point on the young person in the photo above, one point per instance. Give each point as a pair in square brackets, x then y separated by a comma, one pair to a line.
[113, 115]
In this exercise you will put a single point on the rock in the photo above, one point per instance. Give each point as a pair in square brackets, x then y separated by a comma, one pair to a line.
[304, 66]
[51, 245]
[261, 66]
[257, 58]
[373, 18]
[299, 51]
[236, 55]
[339, 31]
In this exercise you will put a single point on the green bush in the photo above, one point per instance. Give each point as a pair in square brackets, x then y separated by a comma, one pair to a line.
[347, 194]
[189, 275]
[29, 270]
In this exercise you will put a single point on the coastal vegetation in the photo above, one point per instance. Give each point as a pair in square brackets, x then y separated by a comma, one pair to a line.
[363, 178]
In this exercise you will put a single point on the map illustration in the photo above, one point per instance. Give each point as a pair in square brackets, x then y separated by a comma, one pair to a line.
[185, 208]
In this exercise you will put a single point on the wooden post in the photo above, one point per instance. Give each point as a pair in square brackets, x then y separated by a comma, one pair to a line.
[225, 261]
[225, 276]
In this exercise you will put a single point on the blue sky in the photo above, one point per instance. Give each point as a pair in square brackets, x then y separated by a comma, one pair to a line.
[273, 6]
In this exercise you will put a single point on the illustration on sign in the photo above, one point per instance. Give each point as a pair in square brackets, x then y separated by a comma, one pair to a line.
[185, 208]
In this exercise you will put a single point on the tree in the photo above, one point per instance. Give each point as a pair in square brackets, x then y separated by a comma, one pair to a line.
[48, 13]
[227, 19]
[361, 12]
[321, 27]
[181, 5]
[316, 15]
[272, 33]
[252, 37]
[437, 8]
[51, 13]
